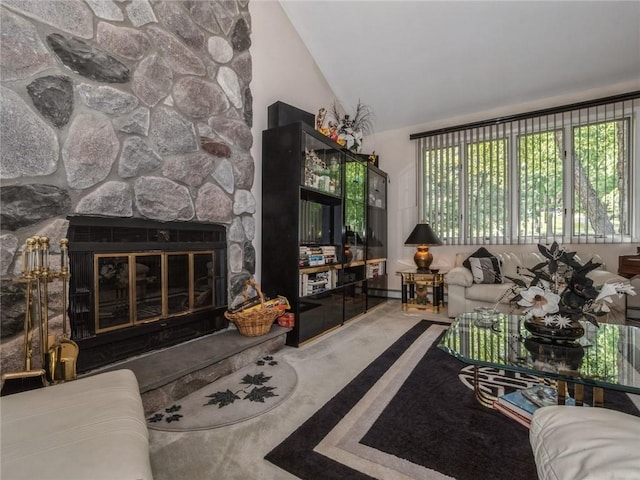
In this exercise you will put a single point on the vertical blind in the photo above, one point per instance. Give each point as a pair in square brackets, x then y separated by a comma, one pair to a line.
[562, 174]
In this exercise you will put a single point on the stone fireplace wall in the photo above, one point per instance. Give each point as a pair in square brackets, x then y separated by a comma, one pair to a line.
[124, 108]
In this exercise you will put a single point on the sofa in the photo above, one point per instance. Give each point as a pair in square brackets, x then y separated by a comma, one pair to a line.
[585, 443]
[465, 294]
[91, 428]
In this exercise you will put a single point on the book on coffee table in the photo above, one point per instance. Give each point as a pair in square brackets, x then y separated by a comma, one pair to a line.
[541, 395]
[526, 401]
[544, 396]
[517, 402]
[507, 412]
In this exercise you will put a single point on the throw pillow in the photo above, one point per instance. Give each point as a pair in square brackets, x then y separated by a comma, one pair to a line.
[484, 266]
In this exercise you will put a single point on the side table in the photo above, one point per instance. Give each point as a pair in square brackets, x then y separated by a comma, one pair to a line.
[415, 290]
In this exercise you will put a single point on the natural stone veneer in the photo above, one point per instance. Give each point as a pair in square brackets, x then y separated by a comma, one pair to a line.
[53, 97]
[127, 108]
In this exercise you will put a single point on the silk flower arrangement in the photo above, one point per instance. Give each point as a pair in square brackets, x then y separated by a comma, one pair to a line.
[559, 292]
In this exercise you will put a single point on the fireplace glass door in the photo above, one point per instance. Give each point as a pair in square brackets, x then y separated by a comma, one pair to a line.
[113, 299]
[147, 287]
[133, 288]
[203, 281]
[178, 283]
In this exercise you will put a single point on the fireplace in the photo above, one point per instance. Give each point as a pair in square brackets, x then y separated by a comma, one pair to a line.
[138, 285]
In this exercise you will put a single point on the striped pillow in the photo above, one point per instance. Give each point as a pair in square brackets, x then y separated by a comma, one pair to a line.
[484, 266]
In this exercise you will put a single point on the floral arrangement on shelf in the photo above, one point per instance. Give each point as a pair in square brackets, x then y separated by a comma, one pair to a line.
[559, 291]
[345, 129]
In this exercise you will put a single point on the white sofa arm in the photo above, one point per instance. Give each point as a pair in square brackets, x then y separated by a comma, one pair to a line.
[459, 276]
[456, 300]
[90, 428]
[585, 443]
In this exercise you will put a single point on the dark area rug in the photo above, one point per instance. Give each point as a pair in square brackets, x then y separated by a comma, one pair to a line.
[433, 421]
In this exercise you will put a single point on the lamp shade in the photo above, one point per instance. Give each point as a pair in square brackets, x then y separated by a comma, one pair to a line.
[422, 234]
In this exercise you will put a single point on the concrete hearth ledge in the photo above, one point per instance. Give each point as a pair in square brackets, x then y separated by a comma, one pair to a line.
[169, 374]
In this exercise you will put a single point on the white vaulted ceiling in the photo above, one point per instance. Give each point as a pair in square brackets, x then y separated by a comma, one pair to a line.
[415, 62]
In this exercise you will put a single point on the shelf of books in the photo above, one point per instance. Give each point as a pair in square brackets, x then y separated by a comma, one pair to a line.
[519, 405]
[318, 281]
[376, 268]
[317, 255]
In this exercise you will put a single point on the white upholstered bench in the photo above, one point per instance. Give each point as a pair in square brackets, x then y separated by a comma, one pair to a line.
[585, 443]
[91, 428]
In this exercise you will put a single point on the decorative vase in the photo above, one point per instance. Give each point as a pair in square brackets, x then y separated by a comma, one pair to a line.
[562, 355]
[348, 254]
[485, 316]
[538, 328]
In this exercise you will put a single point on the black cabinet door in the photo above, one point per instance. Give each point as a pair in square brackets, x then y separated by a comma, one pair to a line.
[376, 291]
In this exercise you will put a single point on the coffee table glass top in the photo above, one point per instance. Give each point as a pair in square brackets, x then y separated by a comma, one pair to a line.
[608, 356]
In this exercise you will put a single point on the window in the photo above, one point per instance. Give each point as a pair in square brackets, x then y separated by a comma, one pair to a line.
[601, 178]
[563, 174]
[486, 187]
[540, 158]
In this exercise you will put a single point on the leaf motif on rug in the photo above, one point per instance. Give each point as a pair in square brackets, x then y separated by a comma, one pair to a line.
[222, 398]
[259, 379]
[259, 394]
[268, 360]
[172, 415]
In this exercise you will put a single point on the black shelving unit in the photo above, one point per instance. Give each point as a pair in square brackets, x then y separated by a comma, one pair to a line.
[315, 229]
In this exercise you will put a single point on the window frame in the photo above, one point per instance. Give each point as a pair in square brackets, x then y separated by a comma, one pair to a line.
[510, 130]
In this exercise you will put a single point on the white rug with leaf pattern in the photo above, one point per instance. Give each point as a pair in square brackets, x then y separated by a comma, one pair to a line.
[244, 394]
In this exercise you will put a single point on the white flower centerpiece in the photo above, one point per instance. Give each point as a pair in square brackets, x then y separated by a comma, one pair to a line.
[556, 293]
[350, 129]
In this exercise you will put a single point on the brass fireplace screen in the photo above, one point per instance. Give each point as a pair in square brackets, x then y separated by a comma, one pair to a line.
[135, 288]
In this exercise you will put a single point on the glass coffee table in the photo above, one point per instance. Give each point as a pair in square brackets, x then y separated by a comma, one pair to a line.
[607, 357]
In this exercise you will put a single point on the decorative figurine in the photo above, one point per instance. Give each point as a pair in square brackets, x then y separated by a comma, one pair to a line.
[333, 131]
[322, 113]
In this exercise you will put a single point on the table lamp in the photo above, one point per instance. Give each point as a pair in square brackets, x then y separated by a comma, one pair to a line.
[423, 236]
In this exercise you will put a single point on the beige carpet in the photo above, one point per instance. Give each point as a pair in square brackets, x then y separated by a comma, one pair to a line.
[324, 367]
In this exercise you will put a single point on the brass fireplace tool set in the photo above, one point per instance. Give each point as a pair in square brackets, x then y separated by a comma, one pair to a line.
[58, 353]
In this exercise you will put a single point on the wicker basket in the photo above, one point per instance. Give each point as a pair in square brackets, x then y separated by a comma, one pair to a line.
[257, 321]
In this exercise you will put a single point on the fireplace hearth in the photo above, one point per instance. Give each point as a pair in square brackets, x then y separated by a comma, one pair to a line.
[139, 285]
